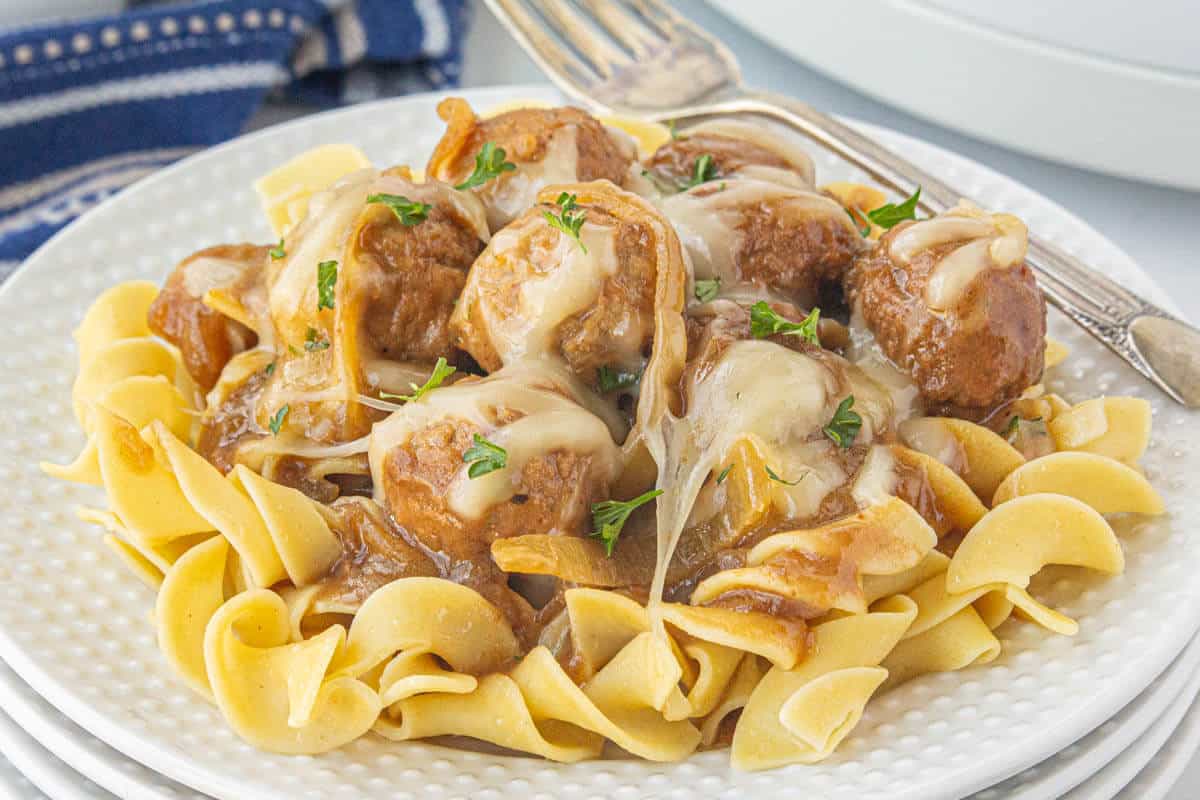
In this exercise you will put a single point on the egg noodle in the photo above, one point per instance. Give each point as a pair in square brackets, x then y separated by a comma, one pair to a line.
[238, 558]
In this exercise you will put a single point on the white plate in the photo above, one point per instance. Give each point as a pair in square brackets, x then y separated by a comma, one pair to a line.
[47, 773]
[74, 626]
[83, 753]
[1073, 97]
[1121, 740]
[1143, 720]
[1117, 774]
[1168, 764]
[14, 785]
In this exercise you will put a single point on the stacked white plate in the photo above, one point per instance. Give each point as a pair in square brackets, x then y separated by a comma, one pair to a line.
[1084, 715]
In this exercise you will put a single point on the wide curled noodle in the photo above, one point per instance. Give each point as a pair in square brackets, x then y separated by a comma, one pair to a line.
[125, 371]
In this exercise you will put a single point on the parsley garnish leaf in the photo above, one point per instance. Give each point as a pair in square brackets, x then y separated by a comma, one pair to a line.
[569, 220]
[609, 517]
[409, 212]
[704, 169]
[724, 474]
[484, 457]
[270, 370]
[773, 476]
[1010, 430]
[611, 379]
[276, 421]
[489, 163]
[327, 272]
[707, 290]
[891, 214]
[765, 322]
[845, 424]
[277, 252]
[441, 371]
[313, 342]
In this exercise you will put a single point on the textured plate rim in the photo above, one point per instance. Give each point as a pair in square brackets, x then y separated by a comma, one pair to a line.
[956, 784]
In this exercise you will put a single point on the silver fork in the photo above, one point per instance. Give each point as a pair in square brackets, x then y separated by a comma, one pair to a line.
[641, 58]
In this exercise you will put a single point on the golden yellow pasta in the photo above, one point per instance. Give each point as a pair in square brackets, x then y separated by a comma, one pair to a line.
[1105, 484]
[1117, 427]
[551, 447]
[1016, 539]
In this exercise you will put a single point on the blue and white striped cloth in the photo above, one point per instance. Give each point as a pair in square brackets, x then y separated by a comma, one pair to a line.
[89, 106]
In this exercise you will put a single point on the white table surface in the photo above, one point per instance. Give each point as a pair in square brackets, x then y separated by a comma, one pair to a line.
[1156, 226]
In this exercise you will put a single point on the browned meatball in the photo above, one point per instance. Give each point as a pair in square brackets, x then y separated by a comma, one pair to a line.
[547, 145]
[536, 292]
[733, 147]
[410, 276]
[952, 302]
[206, 338]
[558, 459]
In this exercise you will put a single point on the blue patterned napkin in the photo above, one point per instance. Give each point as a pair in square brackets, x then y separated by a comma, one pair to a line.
[89, 106]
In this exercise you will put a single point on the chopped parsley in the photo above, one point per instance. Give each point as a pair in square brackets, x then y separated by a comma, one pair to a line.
[773, 476]
[673, 130]
[1010, 430]
[277, 252]
[611, 379]
[845, 424]
[313, 342]
[276, 422]
[891, 214]
[865, 230]
[664, 186]
[489, 163]
[484, 457]
[1014, 425]
[569, 220]
[707, 290]
[409, 212]
[441, 371]
[765, 322]
[703, 170]
[327, 272]
[270, 370]
[609, 517]
[724, 474]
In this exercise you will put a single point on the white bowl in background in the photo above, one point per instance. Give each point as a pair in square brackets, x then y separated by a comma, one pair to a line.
[1112, 86]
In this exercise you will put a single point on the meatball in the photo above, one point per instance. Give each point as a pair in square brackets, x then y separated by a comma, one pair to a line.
[206, 337]
[951, 301]
[592, 301]
[376, 322]
[511, 454]
[742, 200]
[766, 462]
[734, 148]
[547, 146]
[407, 277]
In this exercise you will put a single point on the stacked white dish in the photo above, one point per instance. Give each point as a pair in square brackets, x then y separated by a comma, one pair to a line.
[73, 625]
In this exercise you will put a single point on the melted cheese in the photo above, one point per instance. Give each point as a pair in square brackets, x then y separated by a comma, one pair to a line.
[206, 273]
[551, 419]
[708, 221]
[507, 197]
[990, 241]
[782, 399]
[866, 354]
[320, 237]
[766, 137]
[562, 281]
[876, 479]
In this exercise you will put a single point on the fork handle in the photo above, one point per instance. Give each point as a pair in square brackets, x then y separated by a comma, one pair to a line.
[1157, 344]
